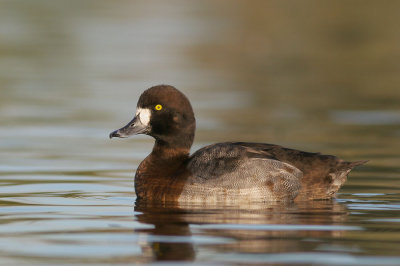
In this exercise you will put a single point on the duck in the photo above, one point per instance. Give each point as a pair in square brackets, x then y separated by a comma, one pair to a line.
[227, 172]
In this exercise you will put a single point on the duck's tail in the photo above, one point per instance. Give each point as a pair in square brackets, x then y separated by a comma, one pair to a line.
[339, 177]
[325, 184]
[351, 165]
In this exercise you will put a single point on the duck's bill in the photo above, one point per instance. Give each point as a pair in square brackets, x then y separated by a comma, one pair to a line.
[134, 127]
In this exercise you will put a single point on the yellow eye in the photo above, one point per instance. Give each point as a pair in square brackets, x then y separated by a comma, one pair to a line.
[158, 107]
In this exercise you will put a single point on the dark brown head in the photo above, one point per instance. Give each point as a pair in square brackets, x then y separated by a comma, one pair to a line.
[164, 113]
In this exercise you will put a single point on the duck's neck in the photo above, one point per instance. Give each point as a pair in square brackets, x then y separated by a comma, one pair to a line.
[162, 173]
[165, 153]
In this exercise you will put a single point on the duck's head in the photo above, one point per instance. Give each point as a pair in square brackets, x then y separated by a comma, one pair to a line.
[164, 113]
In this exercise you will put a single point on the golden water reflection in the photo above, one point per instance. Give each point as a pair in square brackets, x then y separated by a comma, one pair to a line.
[257, 228]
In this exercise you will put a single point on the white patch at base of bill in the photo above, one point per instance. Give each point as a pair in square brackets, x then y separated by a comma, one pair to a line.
[144, 115]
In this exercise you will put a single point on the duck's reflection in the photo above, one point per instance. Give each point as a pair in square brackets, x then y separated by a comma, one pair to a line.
[169, 228]
[255, 228]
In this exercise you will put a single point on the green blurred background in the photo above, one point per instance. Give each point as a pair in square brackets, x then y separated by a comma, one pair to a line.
[316, 75]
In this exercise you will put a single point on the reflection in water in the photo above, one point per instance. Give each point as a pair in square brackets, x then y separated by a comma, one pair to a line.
[168, 222]
[257, 228]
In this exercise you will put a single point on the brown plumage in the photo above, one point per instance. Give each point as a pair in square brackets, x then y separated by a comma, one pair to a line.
[227, 172]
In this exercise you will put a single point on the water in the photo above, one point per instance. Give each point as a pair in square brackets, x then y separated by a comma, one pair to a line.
[312, 76]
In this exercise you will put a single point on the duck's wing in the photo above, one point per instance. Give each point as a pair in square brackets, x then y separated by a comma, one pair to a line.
[323, 175]
[234, 167]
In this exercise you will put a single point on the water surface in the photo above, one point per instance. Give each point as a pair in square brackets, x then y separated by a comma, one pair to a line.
[312, 76]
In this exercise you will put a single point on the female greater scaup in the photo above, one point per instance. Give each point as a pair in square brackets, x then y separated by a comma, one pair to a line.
[227, 172]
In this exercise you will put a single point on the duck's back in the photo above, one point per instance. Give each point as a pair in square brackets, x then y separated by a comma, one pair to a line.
[262, 172]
